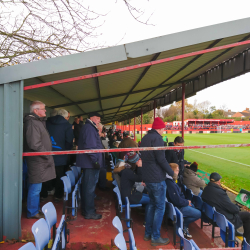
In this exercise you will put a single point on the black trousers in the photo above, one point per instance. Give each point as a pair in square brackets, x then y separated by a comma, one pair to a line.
[59, 189]
[245, 217]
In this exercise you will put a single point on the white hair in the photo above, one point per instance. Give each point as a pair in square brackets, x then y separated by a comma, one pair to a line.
[53, 113]
[100, 125]
[35, 105]
[64, 113]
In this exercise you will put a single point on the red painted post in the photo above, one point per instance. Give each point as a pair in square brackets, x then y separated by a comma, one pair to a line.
[129, 125]
[141, 122]
[134, 129]
[183, 108]
[154, 109]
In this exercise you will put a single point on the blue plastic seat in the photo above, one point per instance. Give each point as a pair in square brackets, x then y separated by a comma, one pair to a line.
[75, 200]
[76, 173]
[119, 199]
[56, 243]
[183, 189]
[179, 223]
[227, 231]
[189, 194]
[245, 245]
[188, 244]
[79, 170]
[40, 231]
[208, 216]
[28, 246]
[114, 182]
[171, 214]
[71, 177]
[67, 191]
[117, 224]
[132, 245]
[120, 242]
[197, 201]
[51, 217]
[61, 230]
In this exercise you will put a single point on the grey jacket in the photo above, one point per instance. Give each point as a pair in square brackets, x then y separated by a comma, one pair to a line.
[192, 181]
[37, 139]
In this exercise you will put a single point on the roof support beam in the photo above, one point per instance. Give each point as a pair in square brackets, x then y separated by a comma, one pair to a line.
[98, 88]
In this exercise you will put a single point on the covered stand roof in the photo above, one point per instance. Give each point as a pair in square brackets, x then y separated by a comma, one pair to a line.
[120, 96]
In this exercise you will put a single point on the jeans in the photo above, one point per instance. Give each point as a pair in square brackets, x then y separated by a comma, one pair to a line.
[90, 178]
[156, 209]
[33, 199]
[190, 214]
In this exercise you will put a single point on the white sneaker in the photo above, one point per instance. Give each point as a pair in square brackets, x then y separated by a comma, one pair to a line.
[186, 233]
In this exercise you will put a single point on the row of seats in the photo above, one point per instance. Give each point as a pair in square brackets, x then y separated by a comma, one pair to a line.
[72, 181]
[209, 215]
[41, 230]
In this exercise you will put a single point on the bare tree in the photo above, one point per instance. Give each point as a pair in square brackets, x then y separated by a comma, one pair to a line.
[38, 29]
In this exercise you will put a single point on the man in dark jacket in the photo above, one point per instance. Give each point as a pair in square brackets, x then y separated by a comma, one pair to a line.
[154, 170]
[177, 198]
[177, 156]
[61, 134]
[77, 128]
[217, 197]
[40, 168]
[91, 163]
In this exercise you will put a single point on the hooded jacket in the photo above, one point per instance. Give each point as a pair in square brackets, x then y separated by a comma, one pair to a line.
[217, 197]
[174, 194]
[37, 139]
[154, 164]
[89, 139]
[192, 181]
[61, 134]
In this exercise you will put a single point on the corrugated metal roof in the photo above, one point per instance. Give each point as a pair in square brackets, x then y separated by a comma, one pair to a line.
[123, 94]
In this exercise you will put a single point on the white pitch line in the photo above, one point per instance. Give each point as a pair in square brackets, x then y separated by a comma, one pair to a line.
[220, 158]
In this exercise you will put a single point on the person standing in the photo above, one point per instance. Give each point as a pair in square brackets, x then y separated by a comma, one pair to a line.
[40, 168]
[154, 170]
[91, 163]
[61, 134]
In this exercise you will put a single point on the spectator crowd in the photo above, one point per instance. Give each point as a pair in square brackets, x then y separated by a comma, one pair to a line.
[146, 178]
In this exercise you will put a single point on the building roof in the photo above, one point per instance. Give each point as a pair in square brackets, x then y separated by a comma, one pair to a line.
[122, 95]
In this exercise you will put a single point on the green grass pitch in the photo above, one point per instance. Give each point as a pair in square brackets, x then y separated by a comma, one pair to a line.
[233, 164]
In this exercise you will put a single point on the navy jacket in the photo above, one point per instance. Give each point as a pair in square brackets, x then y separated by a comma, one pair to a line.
[61, 134]
[174, 194]
[128, 179]
[154, 164]
[89, 139]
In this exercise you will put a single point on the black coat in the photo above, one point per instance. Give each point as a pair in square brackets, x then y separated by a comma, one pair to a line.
[77, 129]
[61, 134]
[154, 164]
[128, 179]
[217, 197]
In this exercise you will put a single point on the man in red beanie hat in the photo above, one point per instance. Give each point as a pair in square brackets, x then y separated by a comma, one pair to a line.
[154, 170]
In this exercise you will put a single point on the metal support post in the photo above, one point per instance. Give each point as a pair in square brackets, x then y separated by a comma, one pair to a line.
[183, 108]
[141, 122]
[154, 109]
[134, 129]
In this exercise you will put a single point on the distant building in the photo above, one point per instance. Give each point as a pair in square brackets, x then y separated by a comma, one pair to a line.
[244, 113]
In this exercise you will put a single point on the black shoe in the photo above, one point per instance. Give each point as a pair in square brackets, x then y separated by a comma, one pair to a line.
[160, 241]
[147, 238]
[93, 217]
[83, 213]
[37, 216]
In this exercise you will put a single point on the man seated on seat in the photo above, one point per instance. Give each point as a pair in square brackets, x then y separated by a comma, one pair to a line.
[217, 197]
[192, 181]
[177, 156]
[177, 198]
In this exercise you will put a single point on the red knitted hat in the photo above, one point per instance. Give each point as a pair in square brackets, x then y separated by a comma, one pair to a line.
[158, 123]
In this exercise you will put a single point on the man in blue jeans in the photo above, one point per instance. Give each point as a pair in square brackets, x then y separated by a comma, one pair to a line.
[177, 198]
[91, 163]
[154, 170]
